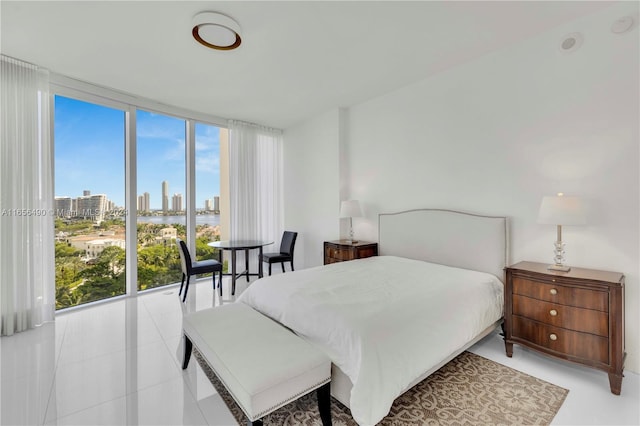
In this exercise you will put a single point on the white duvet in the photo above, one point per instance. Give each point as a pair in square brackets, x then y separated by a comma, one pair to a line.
[383, 320]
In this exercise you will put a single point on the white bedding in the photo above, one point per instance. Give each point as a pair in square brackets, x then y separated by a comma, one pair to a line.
[382, 320]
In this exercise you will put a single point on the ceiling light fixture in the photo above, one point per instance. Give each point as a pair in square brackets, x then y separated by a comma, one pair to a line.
[216, 31]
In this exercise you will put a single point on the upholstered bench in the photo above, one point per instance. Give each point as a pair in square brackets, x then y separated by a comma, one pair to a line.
[262, 364]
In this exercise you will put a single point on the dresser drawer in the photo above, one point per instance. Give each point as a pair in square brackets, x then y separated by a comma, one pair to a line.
[363, 252]
[330, 260]
[569, 317]
[562, 341]
[337, 253]
[562, 294]
[340, 251]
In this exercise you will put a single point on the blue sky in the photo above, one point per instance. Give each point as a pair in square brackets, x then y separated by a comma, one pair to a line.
[90, 153]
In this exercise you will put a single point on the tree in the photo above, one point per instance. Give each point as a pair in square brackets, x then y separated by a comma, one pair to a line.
[204, 250]
[68, 279]
[65, 250]
[105, 277]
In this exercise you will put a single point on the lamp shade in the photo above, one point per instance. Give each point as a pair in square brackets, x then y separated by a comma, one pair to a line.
[350, 208]
[561, 210]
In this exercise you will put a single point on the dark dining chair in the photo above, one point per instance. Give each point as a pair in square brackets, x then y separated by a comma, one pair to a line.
[286, 251]
[189, 267]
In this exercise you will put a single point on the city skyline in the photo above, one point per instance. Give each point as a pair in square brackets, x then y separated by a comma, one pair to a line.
[143, 200]
[90, 153]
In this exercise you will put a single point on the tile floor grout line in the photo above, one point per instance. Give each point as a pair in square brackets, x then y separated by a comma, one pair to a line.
[55, 368]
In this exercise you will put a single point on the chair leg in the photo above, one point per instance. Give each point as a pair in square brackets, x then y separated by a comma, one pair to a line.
[181, 284]
[186, 288]
[246, 263]
[220, 283]
[292, 266]
[282, 265]
[269, 268]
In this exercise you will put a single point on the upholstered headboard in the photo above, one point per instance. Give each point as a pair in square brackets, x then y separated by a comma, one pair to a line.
[448, 237]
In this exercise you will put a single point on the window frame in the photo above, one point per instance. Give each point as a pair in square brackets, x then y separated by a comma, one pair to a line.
[71, 88]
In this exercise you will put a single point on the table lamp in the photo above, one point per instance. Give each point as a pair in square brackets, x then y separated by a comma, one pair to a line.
[561, 210]
[350, 209]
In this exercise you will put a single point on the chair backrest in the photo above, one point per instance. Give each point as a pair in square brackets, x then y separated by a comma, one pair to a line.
[185, 257]
[288, 242]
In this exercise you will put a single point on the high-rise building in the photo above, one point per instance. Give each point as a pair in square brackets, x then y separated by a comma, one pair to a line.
[165, 196]
[176, 202]
[212, 204]
[86, 193]
[63, 206]
[143, 202]
[92, 207]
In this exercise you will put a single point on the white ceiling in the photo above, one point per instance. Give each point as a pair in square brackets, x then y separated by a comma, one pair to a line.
[297, 59]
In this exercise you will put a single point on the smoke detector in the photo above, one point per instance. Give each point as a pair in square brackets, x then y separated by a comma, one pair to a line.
[571, 42]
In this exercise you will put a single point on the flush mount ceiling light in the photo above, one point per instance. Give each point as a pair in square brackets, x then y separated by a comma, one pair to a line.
[216, 31]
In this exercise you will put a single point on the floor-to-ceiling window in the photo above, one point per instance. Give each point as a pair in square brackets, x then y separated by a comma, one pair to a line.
[207, 189]
[118, 162]
[89, 202]
[161, 198]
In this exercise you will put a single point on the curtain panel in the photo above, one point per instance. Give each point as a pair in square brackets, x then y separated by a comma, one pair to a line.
[27, 278]
[255, 183]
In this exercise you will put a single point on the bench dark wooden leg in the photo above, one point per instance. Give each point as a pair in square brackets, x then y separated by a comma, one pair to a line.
[254, 423]
[188, 346]
[324, 403]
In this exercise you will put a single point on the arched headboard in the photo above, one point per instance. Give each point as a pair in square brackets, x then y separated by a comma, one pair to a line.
[448, 237]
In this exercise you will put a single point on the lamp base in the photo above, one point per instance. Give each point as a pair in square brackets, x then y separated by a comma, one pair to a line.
[561, 268]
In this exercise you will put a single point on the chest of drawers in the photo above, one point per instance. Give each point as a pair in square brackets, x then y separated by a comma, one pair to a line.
[576, 316]
[339, 251]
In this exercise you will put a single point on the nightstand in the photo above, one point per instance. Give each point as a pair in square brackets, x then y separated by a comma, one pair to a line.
[576, 316]
[341, 250]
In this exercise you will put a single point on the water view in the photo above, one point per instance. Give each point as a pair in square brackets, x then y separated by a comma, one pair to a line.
[201, 219]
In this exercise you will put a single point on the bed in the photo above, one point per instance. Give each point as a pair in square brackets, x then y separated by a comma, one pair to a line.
[388, 322]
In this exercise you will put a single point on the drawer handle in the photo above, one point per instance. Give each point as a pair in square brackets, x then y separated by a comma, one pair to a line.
[553, 337]
[553, 312]
[553, 280]
[553, 291]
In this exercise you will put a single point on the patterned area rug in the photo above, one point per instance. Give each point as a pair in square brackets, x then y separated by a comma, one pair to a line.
[469, 390]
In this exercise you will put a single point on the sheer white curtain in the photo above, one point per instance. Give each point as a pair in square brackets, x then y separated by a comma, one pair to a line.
[255, 183]
[27, 281]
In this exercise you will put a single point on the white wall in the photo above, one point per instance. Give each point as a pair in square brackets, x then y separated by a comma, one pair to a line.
[311, 185]
[494, 136]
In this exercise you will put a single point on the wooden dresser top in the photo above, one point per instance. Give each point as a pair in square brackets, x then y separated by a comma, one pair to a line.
[578, 273]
